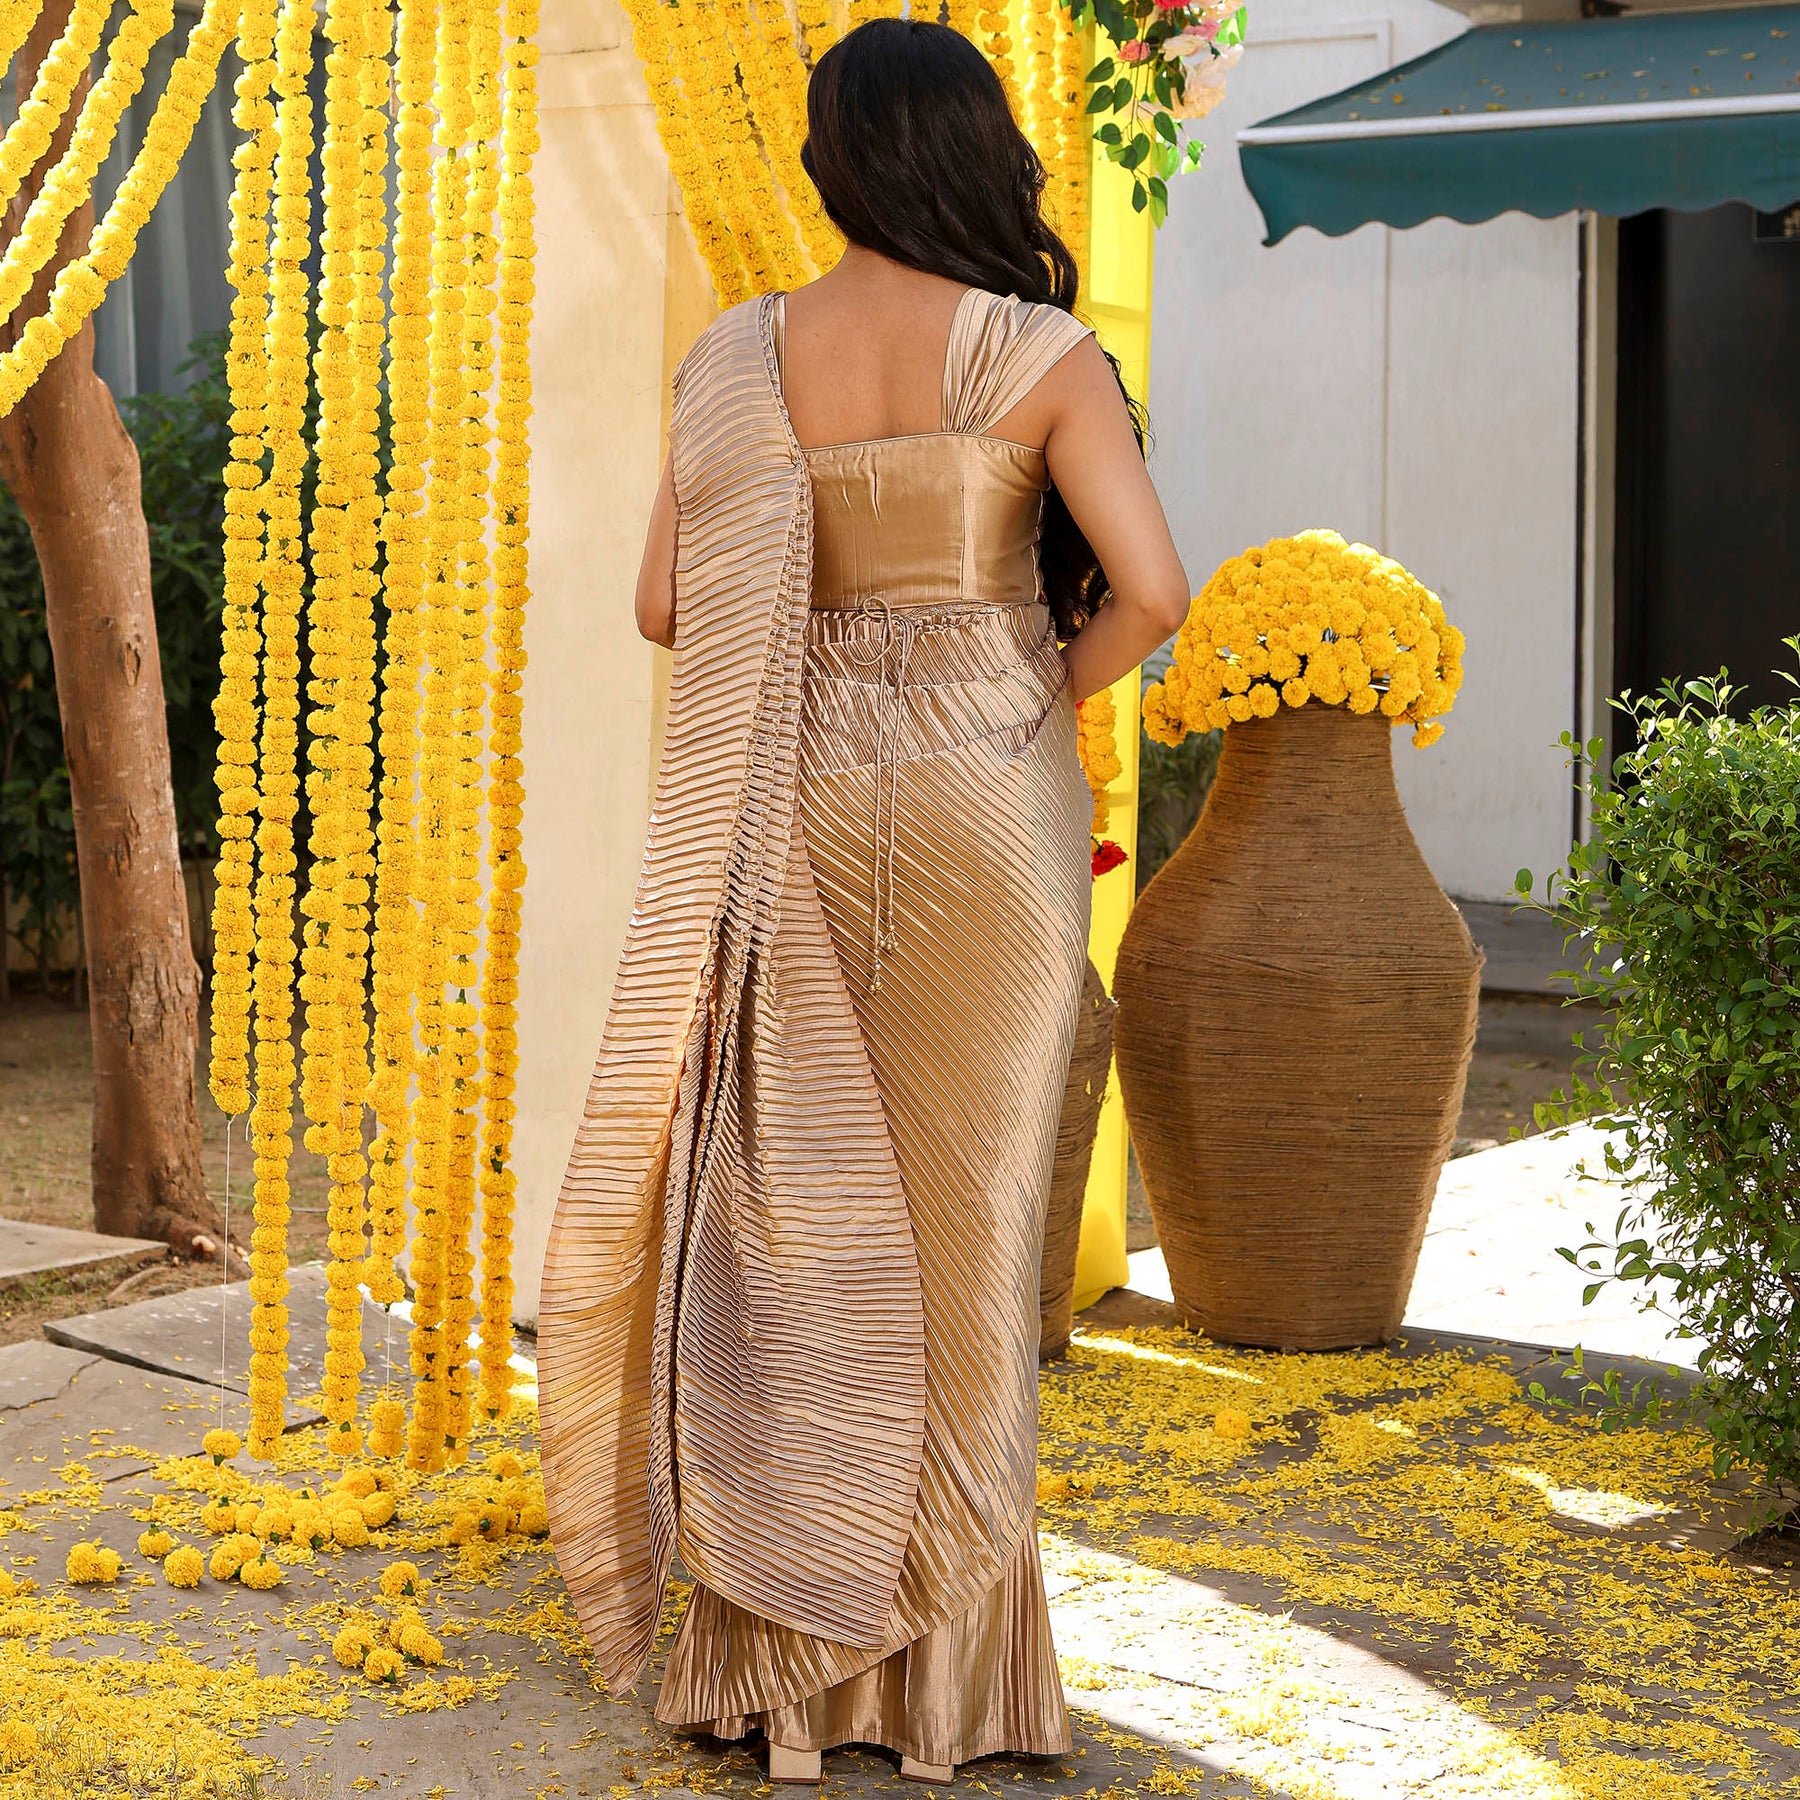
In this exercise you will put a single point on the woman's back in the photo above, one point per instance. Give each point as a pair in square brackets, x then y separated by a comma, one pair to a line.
[942, 506]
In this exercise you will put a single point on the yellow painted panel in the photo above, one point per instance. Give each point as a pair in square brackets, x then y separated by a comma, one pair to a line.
[1118, 303]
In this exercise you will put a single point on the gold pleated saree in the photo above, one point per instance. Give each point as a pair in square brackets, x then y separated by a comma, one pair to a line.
[789, 1316]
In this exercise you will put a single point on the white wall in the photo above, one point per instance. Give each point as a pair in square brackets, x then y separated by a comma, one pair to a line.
[597, 365]
[1416, 390]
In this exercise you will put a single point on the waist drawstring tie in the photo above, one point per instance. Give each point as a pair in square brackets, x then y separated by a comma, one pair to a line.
[890, 651]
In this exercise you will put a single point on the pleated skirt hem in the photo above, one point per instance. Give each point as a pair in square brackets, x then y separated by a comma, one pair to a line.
[982, 1683]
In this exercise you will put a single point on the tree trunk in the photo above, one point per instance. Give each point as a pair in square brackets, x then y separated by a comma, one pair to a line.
[74, 471]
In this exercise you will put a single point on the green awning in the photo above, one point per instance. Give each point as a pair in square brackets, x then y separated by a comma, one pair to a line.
[1613, 115]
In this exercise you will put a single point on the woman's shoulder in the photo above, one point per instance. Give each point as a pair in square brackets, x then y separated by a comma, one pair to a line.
[1002, 331]
[1000, 349]
[736, 326]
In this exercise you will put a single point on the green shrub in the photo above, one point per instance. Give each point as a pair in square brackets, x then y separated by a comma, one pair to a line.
[1686, 900]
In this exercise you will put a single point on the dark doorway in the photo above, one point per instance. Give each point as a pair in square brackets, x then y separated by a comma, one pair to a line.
[1708, 569]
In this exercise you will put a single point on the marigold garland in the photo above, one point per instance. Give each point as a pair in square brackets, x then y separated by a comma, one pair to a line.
[1096, 724]
[428, 1427]
[341, 632]
[81, 284]
[403, 537]
[71, 178]
[52, 88]
[1303, 620]
[235, 709]
[468, 621]
[271, 1129]
[506, 793]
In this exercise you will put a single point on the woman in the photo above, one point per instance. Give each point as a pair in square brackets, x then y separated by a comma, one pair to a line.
[789, 1317]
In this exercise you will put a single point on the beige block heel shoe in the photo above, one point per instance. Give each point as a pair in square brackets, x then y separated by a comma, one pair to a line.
[938, 1774]
[806, 1766]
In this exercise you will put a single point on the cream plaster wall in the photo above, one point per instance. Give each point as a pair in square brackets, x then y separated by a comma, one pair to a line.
[1415, 389]
[598, 361]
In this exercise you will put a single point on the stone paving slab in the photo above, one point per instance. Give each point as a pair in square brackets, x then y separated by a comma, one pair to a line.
[28, 1249]
[64, 1406]
[36, 1371]
[201, 1331]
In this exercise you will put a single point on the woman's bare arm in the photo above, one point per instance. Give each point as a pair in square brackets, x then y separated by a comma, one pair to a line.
[1099, 471]
[656, 573]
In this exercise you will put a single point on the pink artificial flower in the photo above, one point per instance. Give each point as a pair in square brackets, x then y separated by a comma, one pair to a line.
[1134, 51]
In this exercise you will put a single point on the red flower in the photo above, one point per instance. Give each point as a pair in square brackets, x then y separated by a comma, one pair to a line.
[1107, 855]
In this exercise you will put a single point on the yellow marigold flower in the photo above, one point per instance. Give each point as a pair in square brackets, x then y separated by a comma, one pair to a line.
[417, 1644]
[1337, 619]
[93, 1565]
[261, 1572]
[1230, 1423]
[463, 1527]
[218, 1517]
[1265, 703]
[350, 1530]
[402, 1578]
[181, 1568]
[534, 1519]
[387, 1434]
[221, 1445]
[155, 1543]
[358, 1483]
[225, 1560]
[378, 1509]
[505, 1464]
[383, 1664]
[274, 1523]
[18, 1743]
[10, 1586]
[352, 1645]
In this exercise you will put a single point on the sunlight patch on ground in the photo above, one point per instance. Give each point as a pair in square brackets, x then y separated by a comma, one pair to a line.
[1420, 1507]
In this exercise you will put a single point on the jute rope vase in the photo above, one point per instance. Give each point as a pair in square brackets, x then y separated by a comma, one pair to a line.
[1297, 1006]
[1082, 1095]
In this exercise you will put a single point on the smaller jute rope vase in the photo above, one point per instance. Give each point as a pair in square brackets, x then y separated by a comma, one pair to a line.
[1297, 1007]
[1089, 1067]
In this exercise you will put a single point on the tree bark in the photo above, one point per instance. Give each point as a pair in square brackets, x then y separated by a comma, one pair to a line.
[73, 469]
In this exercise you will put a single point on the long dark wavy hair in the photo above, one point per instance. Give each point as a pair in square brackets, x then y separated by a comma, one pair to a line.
[913, 148]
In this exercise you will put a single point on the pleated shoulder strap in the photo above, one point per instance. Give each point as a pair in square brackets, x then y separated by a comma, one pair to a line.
[1000, 348]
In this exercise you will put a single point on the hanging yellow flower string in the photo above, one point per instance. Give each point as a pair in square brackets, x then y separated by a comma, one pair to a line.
[16, 21]
[469, 621]
[335, 906]
[1097, 726]
[427, 1427]
[235, 709]
[81, 284]
[506, 793]
[395, 977]
[363, 514]
[271, 1120]
[52, 89]
[677, 125]
[71, 178]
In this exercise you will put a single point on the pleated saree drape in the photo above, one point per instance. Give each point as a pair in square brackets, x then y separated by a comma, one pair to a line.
[788, 1321]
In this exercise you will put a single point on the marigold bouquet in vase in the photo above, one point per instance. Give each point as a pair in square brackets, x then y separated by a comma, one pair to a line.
[1297, 997]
